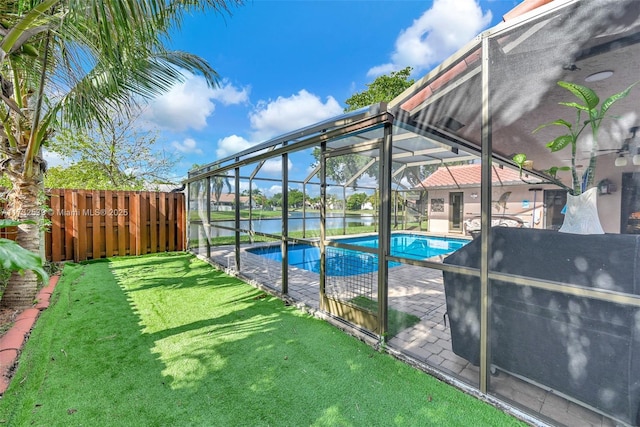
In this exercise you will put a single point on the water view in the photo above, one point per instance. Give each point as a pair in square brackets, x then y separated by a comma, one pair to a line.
[273, 225]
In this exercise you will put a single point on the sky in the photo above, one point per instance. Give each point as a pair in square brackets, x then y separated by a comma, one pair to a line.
[288, 64]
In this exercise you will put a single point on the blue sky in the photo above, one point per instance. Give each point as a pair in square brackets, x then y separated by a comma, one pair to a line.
[288, 64]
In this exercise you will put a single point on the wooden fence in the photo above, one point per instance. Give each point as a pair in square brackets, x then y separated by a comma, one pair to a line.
[92, 224]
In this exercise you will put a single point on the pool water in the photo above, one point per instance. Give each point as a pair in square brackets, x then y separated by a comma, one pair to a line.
[345, 262]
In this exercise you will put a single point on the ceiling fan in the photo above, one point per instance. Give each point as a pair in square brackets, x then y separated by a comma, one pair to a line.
[626, 144]
[625, 149]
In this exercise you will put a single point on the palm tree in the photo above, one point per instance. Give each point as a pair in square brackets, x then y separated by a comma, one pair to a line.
[67, 64]
[218, 182]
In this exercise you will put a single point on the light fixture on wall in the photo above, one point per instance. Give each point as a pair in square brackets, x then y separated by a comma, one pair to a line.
[621, 160]
[474, 195]
[636, 158]
[606, 187]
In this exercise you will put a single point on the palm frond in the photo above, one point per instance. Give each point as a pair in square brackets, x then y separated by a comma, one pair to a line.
[102, 56]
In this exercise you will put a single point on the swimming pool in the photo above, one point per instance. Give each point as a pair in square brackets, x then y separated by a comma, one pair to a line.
[345, 262]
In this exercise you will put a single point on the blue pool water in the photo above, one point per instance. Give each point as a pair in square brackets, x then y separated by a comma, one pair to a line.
[344, 262]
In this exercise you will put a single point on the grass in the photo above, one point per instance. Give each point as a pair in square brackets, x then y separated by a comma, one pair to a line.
[396, 320]
[229, 215]
[310, 234]
[166, 340]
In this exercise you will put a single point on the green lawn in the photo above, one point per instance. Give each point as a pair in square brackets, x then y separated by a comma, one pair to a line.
[166, 340]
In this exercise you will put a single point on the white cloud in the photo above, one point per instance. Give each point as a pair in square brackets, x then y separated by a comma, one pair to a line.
[274, 189]
[244, 185]
[367, 181]
[189, 145]
[286, 114]
[229, 95]
[437, 34]
[188, 104]
[275, 166]
[230, 145]
[274, 118]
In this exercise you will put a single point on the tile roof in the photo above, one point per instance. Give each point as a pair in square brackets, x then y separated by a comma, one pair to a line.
[229, 198]
[468, 176]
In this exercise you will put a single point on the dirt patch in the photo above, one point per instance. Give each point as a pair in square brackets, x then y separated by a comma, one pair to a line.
[7, 318]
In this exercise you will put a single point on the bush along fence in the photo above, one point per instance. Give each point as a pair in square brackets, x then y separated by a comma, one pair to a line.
[92, 224]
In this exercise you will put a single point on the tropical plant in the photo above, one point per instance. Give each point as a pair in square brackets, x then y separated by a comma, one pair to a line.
[90, 175]
[295, 198]
[120, 154]
[256, 196]
[595, 114]
[68, 64]
[218, 182]
[383, 89]
[276, 199]
[355, 201]
[14, 258]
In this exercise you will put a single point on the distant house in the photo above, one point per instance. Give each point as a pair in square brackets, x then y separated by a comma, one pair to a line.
[165, 188]
[227, 201]
[454, 199]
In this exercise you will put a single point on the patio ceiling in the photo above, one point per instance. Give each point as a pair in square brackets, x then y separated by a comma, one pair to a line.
[527, 58]
[410, 147]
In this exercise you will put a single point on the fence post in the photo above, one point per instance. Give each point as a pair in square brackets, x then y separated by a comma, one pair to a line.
[181, 222]
[153, 222]
[143, 230]
[57, 224]
[69, 239]
[97, 215]
[172, 223]
[109, 241]
[134, 224]
[162, 223]
[122, 223]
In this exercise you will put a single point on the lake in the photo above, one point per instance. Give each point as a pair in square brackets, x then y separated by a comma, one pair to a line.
[274, 225]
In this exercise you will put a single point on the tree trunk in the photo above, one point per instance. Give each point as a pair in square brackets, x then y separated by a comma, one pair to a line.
[23, 204]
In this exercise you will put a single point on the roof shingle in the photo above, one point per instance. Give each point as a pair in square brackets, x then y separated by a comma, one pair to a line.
[468, 176]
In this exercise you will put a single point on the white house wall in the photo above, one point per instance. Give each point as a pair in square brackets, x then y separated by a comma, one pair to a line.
[519, 204]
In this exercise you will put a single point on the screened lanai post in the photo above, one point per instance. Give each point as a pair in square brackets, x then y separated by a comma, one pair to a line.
[251, 178]
[304, 195]
[394, 195]
[323, 235]
[485, 231]
[237, 216]
[207, 224]
[344, 210]
[251, 210]
[304, 210]
[384, 229]
[285, 221]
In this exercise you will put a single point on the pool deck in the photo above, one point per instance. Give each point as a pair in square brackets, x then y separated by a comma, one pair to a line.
[418, 291]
